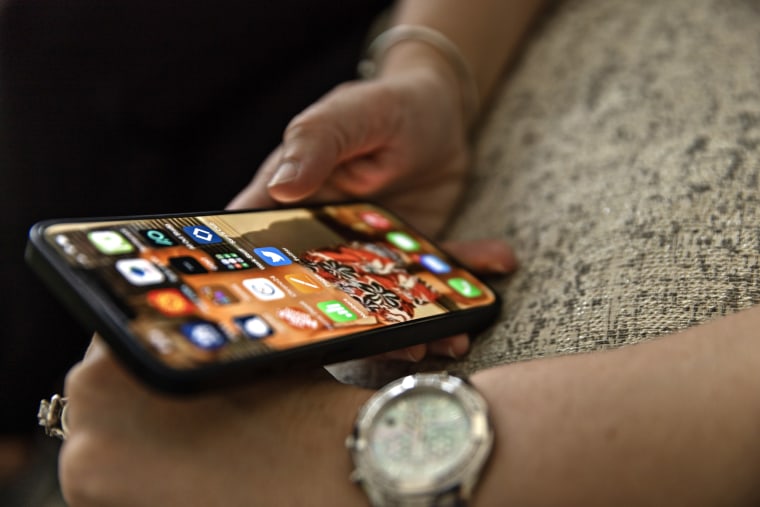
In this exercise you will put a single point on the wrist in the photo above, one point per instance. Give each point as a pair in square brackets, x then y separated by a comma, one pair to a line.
[331, 483]
[419, 57]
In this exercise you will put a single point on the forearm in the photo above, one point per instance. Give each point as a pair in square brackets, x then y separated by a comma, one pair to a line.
[487, 32]
[671, 422]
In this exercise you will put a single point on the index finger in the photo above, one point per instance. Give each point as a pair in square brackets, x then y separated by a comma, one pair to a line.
[256, 194]
[349, 122]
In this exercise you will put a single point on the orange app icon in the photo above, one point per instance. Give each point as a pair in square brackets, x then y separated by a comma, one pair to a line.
[170, 302]
[303, 283]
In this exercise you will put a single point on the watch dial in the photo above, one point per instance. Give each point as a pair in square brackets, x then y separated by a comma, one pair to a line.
[420, 435]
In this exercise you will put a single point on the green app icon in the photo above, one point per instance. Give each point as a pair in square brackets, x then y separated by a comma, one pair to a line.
[404, 241]
[465, 288]
[336, 311]
[110, 242]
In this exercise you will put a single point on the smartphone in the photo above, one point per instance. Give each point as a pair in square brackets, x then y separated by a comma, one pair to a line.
[194, 301]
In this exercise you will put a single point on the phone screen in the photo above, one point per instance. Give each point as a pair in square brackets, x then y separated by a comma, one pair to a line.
[200, 289]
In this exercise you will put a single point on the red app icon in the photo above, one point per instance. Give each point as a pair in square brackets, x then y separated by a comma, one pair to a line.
[170, 302]
[376, 220]
[298, 318]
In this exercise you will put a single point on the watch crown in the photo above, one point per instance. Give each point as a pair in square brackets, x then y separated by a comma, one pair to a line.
[354, 443]
[355, 476]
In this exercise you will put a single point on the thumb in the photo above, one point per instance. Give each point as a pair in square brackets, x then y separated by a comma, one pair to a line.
[310, 153]
[349, 122]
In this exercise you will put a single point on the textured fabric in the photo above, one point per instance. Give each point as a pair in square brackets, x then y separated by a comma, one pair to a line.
[620, 159]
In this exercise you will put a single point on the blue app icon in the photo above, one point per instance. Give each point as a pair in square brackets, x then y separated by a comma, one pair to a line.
[202, 235]
[204, 335]
[434, 264]
[157, 238]
[272, 256]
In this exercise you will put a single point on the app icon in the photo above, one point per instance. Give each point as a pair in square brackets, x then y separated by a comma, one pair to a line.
[376, 220]
[110, 242]
[303, 283]
[187, 265]
[160, 342]
[263, 289]
[336, 311]
[170, 302]
[298, 318]
[218, 294]
[403, 241]
[201, 235]
[465, 288]
[231, 261]
[272, 256]
[254, 327]
[434, 264]
[139, 271]
[157, 238]
[204, 335]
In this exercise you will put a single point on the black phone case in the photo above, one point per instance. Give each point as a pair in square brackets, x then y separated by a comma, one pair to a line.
[95, 310]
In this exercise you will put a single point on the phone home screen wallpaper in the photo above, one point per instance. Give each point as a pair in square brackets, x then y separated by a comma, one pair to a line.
[211, 288]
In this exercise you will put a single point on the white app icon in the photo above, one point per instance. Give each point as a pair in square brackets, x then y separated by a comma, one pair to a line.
[263, 289]
[254, 327]
[139, 271]
[273, 257]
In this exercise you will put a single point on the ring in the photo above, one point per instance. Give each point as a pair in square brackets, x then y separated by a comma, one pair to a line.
[52, 416]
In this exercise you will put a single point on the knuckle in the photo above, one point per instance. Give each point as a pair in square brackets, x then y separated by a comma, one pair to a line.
[75, 379]
[353, 119]
[83, 375]
[322, 129]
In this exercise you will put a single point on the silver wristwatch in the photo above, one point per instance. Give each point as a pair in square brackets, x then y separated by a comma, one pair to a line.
[421, 441]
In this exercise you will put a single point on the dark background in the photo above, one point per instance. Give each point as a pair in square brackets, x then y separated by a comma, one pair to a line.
[137, 106]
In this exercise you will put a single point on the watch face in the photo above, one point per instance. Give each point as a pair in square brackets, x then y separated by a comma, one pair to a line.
[420, 436]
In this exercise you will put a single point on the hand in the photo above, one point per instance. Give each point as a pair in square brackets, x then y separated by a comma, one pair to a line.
[398, 140]
[489, 257]
[278, 442]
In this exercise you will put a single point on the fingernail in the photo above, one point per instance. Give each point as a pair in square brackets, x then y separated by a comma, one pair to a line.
[498, 267]
[410, 356]
[455, 347]
[287, 171]
[447, 351]
[401, 355]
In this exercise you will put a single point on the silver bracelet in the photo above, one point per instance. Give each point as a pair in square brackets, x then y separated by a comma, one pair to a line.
[370, 64]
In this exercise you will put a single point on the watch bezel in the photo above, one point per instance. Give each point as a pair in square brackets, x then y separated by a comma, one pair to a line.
[463, 476]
